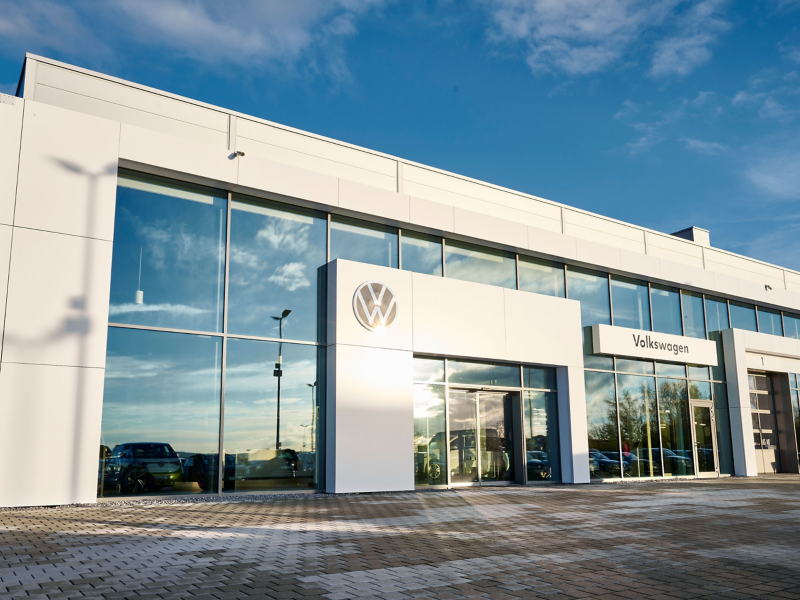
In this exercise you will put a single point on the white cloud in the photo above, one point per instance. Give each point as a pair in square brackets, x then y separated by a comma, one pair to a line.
[290, 276]
[770, 92]
[705, 147]
[628, 109]
[172, 309]
[698, 28]
[579, 37]
[777, 174]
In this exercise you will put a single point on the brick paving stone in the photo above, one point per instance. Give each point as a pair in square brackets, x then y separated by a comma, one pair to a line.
[726, 538]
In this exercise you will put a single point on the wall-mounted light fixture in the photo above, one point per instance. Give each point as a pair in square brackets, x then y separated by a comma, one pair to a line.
[768, 287]
[239, 153]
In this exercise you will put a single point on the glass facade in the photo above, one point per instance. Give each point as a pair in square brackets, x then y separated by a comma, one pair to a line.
[666, 310]
[603, 430]
[791, 325]
[769, 321]
[630, 304]
[693, 319]
[468, 262]
[794, 384]
[430, 435]
[743, 316]
[362, 241]
[590, 288]
[541, 277]
[421, 253]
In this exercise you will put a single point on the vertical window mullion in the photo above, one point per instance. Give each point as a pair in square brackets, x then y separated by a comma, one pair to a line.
[444, 274]
[399, 249]
[221, 455]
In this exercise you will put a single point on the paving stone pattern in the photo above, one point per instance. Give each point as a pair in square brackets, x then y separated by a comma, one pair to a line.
[732, 538]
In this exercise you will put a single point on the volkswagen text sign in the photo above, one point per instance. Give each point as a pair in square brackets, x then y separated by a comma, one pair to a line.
[620, 341]
[375, 305]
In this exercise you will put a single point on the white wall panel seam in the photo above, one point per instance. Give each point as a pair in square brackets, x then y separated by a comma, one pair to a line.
[83, 237]
[48, 364]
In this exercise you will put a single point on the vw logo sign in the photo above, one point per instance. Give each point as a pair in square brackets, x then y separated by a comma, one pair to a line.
[375, 305]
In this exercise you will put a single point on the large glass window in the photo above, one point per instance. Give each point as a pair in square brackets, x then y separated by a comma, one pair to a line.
[792, 324]
[743, 316]
[271, 416]
[160, 428]
[638, 422]
[693, 320]
[630, 304]
[480, 265]
[540, 429]
[591, 290]
[769, 321]
[168, 262]
[430, 436]
[723, 421]
[601, 416]
[364, 242]
[666, 310]
[421, 253]
[481, 373]
[275, 253]
[717, 314]
[541, 277]
[676, 433]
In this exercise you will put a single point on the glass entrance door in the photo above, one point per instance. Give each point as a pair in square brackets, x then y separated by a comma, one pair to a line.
[705, 447]
[481, 438]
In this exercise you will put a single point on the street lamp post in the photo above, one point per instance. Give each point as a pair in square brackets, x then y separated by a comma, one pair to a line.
[313, 412]
[278, 372]
[304, 436]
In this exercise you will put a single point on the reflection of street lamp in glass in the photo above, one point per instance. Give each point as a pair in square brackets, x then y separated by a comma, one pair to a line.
[313, 412]
[139, 292]
[304, 436]
[277, 373]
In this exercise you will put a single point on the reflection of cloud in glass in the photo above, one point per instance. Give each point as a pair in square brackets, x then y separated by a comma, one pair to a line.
[172, 309]
[469, 264]
[288, 235]
[240, 256]
[290, 276]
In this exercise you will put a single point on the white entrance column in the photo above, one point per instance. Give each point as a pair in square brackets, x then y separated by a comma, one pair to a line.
[744, 454]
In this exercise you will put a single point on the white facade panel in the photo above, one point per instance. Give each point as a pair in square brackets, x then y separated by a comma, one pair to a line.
[5, 255]
[674, 249]
[542, 329]
[373, 201]
[642, 265]
[433, 215]
[572, 425]
[132, 116]
[552, 243]
[264, 175]
[458, 318]
[603, 231]
[148, 147]
[486, 227]
[370, 415]
[681, 274]
[744, 454]
[597, 254]
[50, 424]
[11, 135]
[67, 172]
[743, 268]
[58, 294]
[792, 281]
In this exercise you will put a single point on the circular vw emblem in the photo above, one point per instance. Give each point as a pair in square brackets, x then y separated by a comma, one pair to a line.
[375, 305]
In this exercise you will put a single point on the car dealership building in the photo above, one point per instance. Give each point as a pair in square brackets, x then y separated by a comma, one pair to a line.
[197, 301]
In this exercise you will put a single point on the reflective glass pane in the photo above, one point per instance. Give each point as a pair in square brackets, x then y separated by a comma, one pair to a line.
[463, 419]
[541, 277]
[716, 314]
[723, 423]
[630, 303]
[642, 367]
[430, 436]
[271, 416]
[168, 262]
[769, 321]
[160, 429]
[676, 432]
[275, 254]
[540, 427]
[666, 310]
[539, 378]
[699, 390]
[703, 433]
[698, 372]
[693, 321]
[480, 265]
[796, 413]
[792, 323]
[601, 418]
[496, 436]
[792, 380]
[421, 253]
[743, 316]
[475, 373]
[428, 369]
[718, 372]
[670, 370]
[591, 290]
[638, 422]
[364, 242]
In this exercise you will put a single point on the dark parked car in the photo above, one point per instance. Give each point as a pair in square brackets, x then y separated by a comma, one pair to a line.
[142, 466]
[202, 469]
[538, 464]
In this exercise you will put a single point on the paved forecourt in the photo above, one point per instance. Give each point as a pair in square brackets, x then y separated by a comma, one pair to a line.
[733, 538]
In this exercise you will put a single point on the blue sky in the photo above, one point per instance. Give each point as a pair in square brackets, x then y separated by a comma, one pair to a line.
[663, 113]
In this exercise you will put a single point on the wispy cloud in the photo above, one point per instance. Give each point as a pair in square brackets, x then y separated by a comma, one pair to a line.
[580, 37]
[774, 94]
[172, 309]
[705, 147]
[777, 172]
